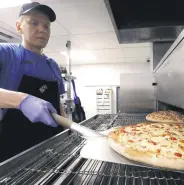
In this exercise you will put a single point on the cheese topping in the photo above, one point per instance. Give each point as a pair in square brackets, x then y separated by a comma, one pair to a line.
[161, 139]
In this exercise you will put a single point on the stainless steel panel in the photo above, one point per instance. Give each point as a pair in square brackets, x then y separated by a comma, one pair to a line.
[130, 29]
[155, 34]
[170, 88]
[171, 49]
[170, 76]
[136, 93]
[159, 50]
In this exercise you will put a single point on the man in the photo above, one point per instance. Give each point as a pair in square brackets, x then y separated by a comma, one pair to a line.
[30, 84]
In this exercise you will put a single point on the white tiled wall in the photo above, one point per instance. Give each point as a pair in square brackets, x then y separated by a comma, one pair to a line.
[92, 77]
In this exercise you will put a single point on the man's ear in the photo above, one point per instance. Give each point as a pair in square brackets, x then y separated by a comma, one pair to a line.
[19, 27]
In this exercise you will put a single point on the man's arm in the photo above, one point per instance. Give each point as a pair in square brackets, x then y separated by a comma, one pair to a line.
[35, 109]
[11, 99]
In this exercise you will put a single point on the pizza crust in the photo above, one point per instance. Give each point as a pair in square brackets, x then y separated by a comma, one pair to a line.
[146, 157]
[148, 118]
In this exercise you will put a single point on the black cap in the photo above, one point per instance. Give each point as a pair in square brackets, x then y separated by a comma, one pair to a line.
[37, 6]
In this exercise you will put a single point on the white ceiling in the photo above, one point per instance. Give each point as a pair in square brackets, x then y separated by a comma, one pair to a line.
[87, 25]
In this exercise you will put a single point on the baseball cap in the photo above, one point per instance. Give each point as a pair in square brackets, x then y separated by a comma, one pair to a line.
[37, 6]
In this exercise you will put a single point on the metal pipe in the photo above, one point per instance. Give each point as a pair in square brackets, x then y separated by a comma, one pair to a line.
[68, 45]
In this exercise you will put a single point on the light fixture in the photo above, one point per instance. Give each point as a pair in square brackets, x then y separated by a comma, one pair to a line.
[80, 55]
[13, 3]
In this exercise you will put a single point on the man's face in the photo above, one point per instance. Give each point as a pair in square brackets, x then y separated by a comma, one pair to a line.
[35, 29]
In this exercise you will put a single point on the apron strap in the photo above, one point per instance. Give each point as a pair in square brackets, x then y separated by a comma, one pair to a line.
[19, 72]
[76, 98]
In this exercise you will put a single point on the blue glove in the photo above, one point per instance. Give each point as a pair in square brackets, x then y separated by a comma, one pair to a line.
[37, 110]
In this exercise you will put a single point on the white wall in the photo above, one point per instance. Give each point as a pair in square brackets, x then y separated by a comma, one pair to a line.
[92, 77]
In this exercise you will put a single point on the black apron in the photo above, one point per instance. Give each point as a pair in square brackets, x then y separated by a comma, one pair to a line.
[18, 133]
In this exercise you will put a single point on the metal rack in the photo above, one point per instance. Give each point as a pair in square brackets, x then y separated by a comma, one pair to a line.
[60, 163]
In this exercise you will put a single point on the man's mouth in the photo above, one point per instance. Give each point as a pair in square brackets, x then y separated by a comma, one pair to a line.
[41, 38]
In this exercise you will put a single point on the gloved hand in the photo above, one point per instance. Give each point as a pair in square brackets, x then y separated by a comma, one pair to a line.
[37, 110]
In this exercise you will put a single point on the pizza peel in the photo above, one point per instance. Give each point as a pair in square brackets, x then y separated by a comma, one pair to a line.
[96, 146]
[99, 149]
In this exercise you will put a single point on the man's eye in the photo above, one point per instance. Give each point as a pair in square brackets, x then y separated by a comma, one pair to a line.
[34, 23]
[47, 26]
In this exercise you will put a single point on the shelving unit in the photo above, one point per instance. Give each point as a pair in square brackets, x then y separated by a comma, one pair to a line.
[104, 101]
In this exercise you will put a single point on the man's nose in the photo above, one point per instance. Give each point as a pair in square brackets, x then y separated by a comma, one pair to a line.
[42, 28]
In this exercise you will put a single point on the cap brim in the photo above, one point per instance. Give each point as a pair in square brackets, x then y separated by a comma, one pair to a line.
[46, 10]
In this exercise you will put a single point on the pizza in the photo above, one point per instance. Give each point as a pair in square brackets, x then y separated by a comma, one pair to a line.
[166, 116]
[160, 145]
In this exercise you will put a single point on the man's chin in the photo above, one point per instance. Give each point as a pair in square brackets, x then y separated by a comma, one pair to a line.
[41, 46]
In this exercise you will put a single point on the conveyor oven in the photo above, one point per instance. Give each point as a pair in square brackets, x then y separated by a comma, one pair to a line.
[57, 160]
